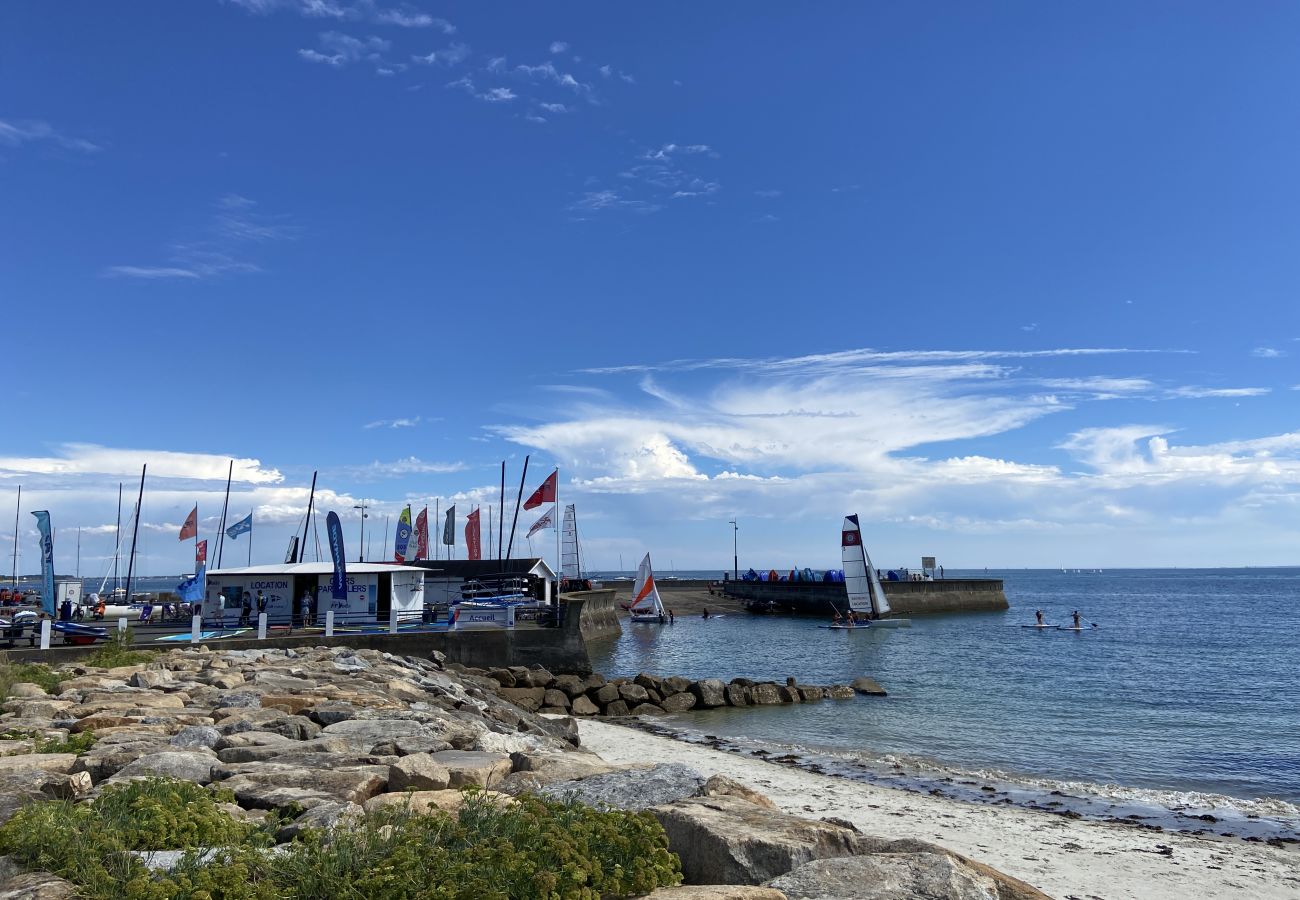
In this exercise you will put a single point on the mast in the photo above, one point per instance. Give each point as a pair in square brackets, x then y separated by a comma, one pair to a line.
[78, 552]
[384, 551]
[501, 520]
[489, 555]
[225, 504]
[311, 501]
[518, 498]
[577, 547]
[437, 517]
[17, 508]
[559, 557]
[117, 538]
[135, 534]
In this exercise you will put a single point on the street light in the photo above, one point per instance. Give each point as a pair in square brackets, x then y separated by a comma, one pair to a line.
[735, 549]
[361, 548]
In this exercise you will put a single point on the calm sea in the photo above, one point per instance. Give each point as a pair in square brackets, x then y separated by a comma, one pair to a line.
[1181, 702]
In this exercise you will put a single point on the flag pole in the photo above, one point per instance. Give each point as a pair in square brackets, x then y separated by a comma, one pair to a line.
[437, 514]
[250, 537]
[559, 518]
[225, 504]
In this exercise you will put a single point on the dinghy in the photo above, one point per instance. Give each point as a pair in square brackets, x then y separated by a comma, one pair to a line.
[646, 605]
[866, 596]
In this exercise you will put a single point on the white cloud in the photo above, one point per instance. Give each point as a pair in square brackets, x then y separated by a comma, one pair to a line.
[498, 95]
[559, 46]
[411, 465]
[17, 133]
[404, 16]
[339, 49]
[554, 107]
[93, 459]
[1194, 392]
[593, 201]
[235, 226]
[451, 56]
[1267, 353]
[408, 422]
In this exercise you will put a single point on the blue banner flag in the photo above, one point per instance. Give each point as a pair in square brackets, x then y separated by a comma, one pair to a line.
[403, 542]
[191, 589]
[243, 526]
[339, 581]
[48, 598]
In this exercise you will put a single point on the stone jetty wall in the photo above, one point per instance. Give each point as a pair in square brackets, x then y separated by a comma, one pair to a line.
[538, 690]
[908, 598]
[597, 614]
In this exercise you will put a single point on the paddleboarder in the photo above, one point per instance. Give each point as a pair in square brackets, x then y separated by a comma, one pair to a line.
[1078, 622]
[1038, 614]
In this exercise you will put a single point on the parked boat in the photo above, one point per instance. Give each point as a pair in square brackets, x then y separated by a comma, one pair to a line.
[646, 605]
[866, 596]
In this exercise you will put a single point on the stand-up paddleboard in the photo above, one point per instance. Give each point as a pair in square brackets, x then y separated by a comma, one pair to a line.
[846, 627]
[1044, 627]
[1072, 628]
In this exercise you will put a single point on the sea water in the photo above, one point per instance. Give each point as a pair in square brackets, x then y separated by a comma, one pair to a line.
[1181, 703]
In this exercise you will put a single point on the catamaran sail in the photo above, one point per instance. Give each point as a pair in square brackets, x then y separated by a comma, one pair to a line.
[646, 605]
[866, 596]
[570, 565]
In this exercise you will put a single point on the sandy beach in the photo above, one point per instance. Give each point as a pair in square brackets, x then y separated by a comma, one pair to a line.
[1066, 858]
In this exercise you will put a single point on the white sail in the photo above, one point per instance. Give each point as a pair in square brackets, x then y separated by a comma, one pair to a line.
[856, 580]
[645, 595]
[879, 603]
[569, 564]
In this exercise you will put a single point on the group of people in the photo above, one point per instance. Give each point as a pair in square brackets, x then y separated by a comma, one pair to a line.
[1078, 619]
[248, 603]
[849, 619]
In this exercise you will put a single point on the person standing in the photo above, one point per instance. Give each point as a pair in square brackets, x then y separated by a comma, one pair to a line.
[261, 604]
[245, 608]
[221, 609]
[305, 604]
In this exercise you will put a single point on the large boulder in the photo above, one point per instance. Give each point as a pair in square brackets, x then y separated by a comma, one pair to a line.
[273, 786]
[715, 892]
[676, 703]
[534, 770]
[582, 706]
[30, 763]
[710, 692]
[765, 694]
[932, 874]
[868, 686]
[529, 698]
[366, 733]
[418, 772]
[37, 886]
[193, 737]
[194, 765]
[467, 768]
[631, 788]
[421, 802]
[730, 840]
[325, 817]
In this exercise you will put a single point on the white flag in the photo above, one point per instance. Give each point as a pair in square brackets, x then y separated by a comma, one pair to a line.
[543, 523]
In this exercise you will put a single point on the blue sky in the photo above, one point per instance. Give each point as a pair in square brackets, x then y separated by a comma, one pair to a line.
[1015, 282]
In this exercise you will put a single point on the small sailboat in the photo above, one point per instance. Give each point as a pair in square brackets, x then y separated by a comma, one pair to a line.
[646, 605]
[866, 596]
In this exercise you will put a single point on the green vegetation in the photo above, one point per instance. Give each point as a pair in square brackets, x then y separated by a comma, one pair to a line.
[116, 651]
[72, 743]
[530, 850]
[35, 673]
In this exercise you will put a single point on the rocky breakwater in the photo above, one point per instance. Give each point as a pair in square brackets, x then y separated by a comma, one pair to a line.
[540, 691]
[327, 739]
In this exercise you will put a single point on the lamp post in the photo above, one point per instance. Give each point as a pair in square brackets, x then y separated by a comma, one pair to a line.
[735, 549]
[361, 548]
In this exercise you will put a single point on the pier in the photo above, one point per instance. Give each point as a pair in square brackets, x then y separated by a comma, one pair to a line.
[908, 598]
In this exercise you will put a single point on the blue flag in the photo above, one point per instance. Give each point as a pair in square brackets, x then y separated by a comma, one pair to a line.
[339, 581]
[191, 589]
[48, 597]
[243, 526]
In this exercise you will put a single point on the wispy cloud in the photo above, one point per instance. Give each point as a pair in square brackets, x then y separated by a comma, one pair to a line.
[234, 228]
[410, 422]
[450, 56]
[594, 201]
[402, 16]
[93, 459]
[410, 465]
[558, 46]
[1267, 353]
[34, 131]
[490, 95]
[337, 49]
[1194, 392]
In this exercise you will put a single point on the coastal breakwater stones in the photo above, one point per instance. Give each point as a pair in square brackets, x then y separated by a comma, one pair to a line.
[537, 690]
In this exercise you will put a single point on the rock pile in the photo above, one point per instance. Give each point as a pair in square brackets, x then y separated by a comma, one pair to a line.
[539, 691]
[333, 734]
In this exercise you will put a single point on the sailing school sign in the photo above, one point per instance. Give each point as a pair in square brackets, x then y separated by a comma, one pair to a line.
[362, 600]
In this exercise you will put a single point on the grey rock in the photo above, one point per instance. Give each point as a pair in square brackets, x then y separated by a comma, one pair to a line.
[676, 684]
[244, 699]
[764, 694]
[887, 876]
[37, 886]
[572, 685]
[605, 694]
[192, 737]
[418, 772]
[680, 702]
[868, 686]
[737, 694]
[632, 789]
[332, 711]
[556, 698]
[529, 698]
[647, 709]
[633, 694]
[325, 817]
[469, 767]
[617, 708]
[584, 707]
[25, 690]
[273, 786]
[151, 678]
[195, 766]
[711, 693]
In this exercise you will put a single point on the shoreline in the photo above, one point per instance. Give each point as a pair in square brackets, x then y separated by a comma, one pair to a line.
[1063, 856]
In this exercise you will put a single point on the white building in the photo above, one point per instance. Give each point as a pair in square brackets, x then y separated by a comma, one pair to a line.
[373, 591]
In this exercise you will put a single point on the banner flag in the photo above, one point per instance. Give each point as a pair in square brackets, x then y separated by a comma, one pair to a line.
[545, 493]
[422, 534]
[449, 527]
[201, 553]
[191, 527]
[339, 581]
[473, 536]
[546, 521]
[402, 543]
[243, 526]
[48, 597]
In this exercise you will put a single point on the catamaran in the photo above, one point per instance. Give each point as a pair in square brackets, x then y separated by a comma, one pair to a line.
[866, 597]
[646, 605]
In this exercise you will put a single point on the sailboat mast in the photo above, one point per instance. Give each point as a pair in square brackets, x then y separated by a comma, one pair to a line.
[518, 498]
[225, 504]
[311, 502]
[135, 534]
[501, 520]
[577, 546]
[78, 552]
[117, 538]
[17, 509]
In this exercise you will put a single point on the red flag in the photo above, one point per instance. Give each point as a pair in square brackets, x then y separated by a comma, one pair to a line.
[422, 534]
[545, 493]
[201, 553]
[191, 527]
[473, 537]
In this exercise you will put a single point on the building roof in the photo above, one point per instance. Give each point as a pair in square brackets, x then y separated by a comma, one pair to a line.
[478, 568]
[311, 568]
